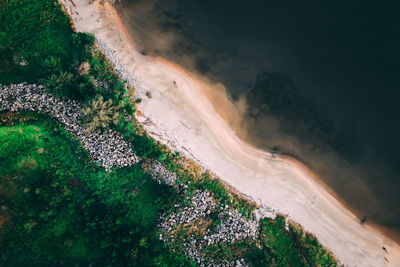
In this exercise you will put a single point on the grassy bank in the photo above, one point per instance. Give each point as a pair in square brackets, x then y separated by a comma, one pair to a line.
[61, 208]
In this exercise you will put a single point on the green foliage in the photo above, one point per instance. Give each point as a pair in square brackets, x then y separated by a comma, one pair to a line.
[37, 44]
[57, 82]
[223, 195]
[62, 208]
[314, 252]
[274, 236]
[293, 247]
[143, 145]
[100, 114]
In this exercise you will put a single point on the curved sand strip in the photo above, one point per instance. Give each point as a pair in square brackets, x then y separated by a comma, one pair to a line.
[183, 117]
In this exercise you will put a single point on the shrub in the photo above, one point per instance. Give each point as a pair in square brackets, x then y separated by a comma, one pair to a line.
[99, 115]
[274, 236]
[57, 82]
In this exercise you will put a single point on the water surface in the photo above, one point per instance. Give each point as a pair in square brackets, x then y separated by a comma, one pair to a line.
[321, 80]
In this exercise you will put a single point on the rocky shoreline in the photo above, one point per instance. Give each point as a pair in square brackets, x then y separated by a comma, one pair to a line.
[119, 67]
[229, 230]
[110, 149]
[232, 226]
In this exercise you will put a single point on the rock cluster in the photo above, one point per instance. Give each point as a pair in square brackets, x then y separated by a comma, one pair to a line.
[159, 173]
[201, 205]
[264, 212]
[119, 67]
[109, 149]
[233, 226]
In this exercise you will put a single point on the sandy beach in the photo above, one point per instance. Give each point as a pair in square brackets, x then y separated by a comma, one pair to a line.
[186, 112]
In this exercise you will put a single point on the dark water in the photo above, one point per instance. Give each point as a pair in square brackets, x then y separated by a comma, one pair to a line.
[322, 79]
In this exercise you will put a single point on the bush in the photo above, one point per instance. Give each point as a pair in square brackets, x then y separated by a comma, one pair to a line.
[313, 251]
[143, 145]
[275, 237]
[99, 115]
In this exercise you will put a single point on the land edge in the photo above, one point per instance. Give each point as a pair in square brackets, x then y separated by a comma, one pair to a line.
[389, 233]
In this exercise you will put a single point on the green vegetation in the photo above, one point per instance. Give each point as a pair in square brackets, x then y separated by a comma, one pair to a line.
[312, 250]
[58, 207]
[276, 237]
[37, 44]
[293, 247]
[188, 171]
[99, 115]
[142, 144]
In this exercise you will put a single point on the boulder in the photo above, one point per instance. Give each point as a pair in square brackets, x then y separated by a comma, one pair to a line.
[84, 68]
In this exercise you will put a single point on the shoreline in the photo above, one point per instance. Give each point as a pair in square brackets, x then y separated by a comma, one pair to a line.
[389, 233]
[204, 124]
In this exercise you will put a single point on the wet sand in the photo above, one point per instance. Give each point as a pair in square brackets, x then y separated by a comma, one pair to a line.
[190, 116]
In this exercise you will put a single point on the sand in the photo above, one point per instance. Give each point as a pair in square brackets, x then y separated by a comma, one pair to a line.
[188, 117]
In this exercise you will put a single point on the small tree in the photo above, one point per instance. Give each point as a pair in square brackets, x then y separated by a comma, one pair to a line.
[58, 82]
[98, 114]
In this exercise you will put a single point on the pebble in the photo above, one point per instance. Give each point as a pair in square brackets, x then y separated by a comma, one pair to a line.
[109, 149]
[233, 227]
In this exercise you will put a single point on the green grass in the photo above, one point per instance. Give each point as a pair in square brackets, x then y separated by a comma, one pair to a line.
[276, 237]
[62, 208]
[309, 246]
[39, 33]
[293, 247]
